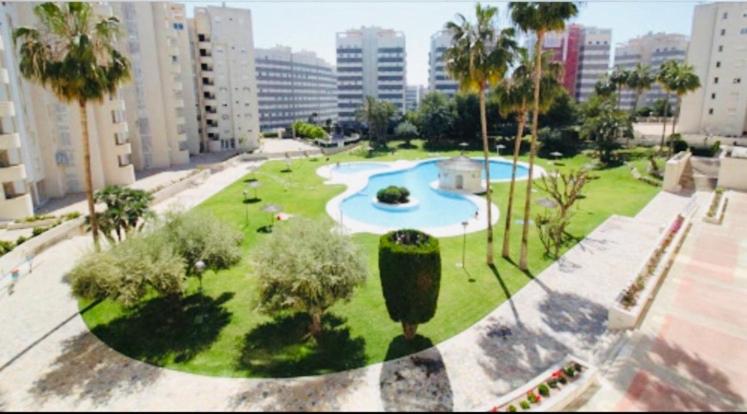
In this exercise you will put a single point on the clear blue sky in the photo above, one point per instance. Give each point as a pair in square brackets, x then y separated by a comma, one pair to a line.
[312, 25]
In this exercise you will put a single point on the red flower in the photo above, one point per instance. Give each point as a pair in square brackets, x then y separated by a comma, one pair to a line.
[494, 409]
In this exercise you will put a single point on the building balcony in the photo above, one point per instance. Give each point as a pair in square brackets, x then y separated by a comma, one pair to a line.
[120, 128]
[117, 105]
[124, 149]
[208, 88]
[4, 78]
[15, 207]
[10, 141]
[12, 173]
[2, 43]
[7, 109]
[176, 68]
[213, 129]
[180, 120]
[179, 103]
[204, 45]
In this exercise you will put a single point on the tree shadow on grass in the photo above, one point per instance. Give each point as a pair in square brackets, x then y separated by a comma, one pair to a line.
[156, 333]
[252, 200]
[416, 383]
[89, 370]
[281, 348]
[250, 180]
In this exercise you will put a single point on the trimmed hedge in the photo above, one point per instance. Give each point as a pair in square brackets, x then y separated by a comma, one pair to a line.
[410, 272]
[393, 195]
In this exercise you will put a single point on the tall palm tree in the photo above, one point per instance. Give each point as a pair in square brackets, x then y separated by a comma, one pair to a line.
[72, 53]
[678, 78]
[478, 58]
[604, 86]
[540, 18]
[639, 80]
[619, 78]
[513, 98]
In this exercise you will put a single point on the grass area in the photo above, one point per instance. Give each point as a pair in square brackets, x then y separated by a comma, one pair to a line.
[221, 333]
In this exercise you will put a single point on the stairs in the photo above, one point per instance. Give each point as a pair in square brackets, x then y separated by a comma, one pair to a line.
[687, 181]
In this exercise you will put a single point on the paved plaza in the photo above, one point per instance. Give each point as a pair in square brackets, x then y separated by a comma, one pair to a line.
[50, 360]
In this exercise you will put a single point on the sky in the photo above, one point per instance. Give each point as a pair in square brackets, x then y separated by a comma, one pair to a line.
[311, 25]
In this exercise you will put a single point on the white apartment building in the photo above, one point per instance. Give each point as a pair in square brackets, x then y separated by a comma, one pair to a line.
[160, 96]
[226, 78]
[371, 61]
[718, 53]
[294, 86]
[438, 78]
[41, 144]
[413, 95]
[651, 49]
[594, 60]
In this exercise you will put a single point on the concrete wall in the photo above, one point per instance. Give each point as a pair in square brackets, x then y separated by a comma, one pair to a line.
[673, 171]
[733, 173]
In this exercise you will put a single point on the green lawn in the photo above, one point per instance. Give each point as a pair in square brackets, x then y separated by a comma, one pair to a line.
[220, 332]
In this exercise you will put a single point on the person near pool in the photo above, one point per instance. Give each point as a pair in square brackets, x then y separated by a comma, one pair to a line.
[477, 214]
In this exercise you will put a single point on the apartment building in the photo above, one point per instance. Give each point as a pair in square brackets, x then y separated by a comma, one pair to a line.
[160, 98]
[651, 49]
[718, 53]
[294, 86]
[226, 78]
[371, 61]
[565, 48]
[594, 60]
[41, 146]
[438, 78]
[412, 97]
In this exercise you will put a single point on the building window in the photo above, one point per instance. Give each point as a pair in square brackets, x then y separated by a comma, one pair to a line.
[718, 64]
[721, 48]
[726, 14]
[743, 30]
[737, 80]
[723, 32]
[710, 111]
[715, 80]
[713, 96]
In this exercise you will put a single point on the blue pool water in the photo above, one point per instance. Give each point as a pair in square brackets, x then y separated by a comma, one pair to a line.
[356, 167]
[434, 209]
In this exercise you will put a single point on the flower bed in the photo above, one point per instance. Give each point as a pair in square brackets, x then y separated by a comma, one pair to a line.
[716, 210]
[552, 390]
[626, 312]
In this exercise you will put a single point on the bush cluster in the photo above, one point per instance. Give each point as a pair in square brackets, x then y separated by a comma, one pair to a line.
[307, 130]
[393, 195]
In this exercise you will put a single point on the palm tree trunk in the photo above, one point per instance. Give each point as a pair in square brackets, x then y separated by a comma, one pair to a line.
[87, 172]
[674, 124]
[664, 123]
[486, 154]
[517, 146]
[619, 96]
[523, 265]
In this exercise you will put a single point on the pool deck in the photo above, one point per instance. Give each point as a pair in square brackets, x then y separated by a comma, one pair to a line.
[357, 181]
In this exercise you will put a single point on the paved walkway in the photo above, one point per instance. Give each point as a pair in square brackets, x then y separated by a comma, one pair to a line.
[561, 311]
[690, 353]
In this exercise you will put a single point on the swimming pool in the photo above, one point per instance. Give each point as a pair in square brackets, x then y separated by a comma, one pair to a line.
[434, 209]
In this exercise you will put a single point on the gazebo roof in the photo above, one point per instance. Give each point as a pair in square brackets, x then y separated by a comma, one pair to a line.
[460, 163]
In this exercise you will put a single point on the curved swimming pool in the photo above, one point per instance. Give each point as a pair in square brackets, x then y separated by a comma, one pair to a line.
[435, 208]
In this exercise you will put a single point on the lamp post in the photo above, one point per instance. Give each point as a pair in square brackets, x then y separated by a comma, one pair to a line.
[464, 241]
[199, 268]
[498, 148]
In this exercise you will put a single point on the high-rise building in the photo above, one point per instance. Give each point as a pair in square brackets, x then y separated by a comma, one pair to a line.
[651, 49]
[412, 97]
[41, 147]
[438, 78]
[294, 86]
[594, 60]
[226, 78]
[160, 98]
[718, 53]
[371, 61]
[565, 49]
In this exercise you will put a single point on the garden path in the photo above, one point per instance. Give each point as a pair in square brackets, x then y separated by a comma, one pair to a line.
[561, 310]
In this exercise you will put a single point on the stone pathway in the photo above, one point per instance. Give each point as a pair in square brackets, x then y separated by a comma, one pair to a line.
[561, 311]
[690, 353]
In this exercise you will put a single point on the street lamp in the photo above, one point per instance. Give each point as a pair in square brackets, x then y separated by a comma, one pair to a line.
[498, 148]
[199, 268]
[464, 241]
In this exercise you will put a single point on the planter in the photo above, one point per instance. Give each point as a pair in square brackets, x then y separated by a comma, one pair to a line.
[408, 206]
[652, 273]
[15, 225]
[718, 213]
[559, 396]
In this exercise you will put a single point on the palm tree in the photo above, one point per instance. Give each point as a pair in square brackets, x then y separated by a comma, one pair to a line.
[72, 53]
[678, 78]
[619, 78]
[478, 58]
[639, 80]
[604, 86]
[540, 18]
[376, 115]
[514, 97]
[125, 209]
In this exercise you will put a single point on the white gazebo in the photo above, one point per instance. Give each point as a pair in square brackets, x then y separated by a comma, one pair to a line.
[460, 174]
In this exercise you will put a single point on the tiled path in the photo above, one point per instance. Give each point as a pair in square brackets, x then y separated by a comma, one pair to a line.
[691, 351]
[562, 309]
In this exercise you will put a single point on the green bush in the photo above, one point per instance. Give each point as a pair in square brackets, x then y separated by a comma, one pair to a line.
[38, 230]
[307, 130]
[393, 195]
[678, 144]
[569, 371]
[6, 246]
[410, 272]
[543, 390]
[72, 216]
[552, 383]
[20, 240]
[524, 405]
[511, 408]
[199, 236]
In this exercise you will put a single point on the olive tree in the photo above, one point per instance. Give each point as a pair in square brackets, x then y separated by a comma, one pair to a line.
[304, 266]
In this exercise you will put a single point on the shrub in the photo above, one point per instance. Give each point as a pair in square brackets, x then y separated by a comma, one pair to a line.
[72, 216]
[6, 246]
[393, 195]
[38, 230]
[577, 367]
[20, 240]
[678, 144]
[307, 130]
[533, 398]
[525, 405]
[199, 236]
[410, 271]
[305, 267]
[569, 371]
[552, 383]
[543, 390]
[129, 271]
[511, 408]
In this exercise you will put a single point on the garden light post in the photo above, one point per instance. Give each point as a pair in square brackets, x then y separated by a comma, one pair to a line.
[199, 268]
[498, 148]
[464, 146]
[464, 242]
